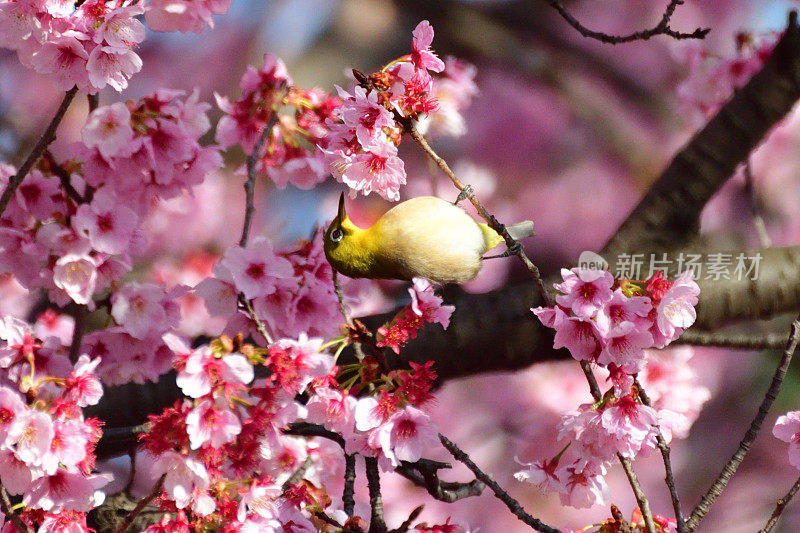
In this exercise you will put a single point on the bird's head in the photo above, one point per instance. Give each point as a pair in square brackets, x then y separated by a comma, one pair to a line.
[340, 245]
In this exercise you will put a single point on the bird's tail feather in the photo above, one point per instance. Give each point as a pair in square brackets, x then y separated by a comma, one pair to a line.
[520, 230]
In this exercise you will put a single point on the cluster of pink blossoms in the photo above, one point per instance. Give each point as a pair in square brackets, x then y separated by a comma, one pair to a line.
[46, 443]
[612, 324]
[712, 80]
[232, 429]
[289, 154]
[80, 244]
[291, 290]
[425, 307]
[90, 46]
[353, 136]
[183, 15]
[361, 148]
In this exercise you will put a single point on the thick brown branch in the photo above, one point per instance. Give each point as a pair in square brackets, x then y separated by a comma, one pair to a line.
[669, 213]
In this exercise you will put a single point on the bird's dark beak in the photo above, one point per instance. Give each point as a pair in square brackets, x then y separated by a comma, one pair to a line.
[341, 215]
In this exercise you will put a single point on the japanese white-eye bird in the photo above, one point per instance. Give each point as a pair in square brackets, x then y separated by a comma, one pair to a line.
[422, 237]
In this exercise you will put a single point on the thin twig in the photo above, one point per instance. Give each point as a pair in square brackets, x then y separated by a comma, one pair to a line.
[513, 505]
[376, 523]
[64, 177]
[665, 455]
[47, 137]
[638, 493]
[337, 288]
[250, 184]
[10, 513]
[493, 223]
[407, 522]
[767, 341]
[744, 446]
[349, 491]
[755, 208]
[298, 474]
[144, 502]
[260, 327]
[662, 28]
[780, 506]
[641, 499]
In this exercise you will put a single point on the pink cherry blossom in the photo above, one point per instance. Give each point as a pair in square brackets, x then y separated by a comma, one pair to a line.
[362, 112]
[138, 309]
[584, 290]
[621, 308]
[120, 28]
[422, 56]
[256, 269]
[294, 363]
[544, 474]
[33, 436]
[260, 499]
[584, 489]
[787, 429]
[212, 422]
[407, 435]
[427, 305]
[675, 311]
[183, 15]
[82, 386]
[377, 170]
[17, 476]
[632, 425]
[203, 371]
[108, 65]
[64, 57]
[579, 336]
[332, 408]
[68, 447]
[183, 475]
[76, 274]
[54, 324]
[66, 490]
[107, 223]
[12, 414]
[108, 129]
[220, 297]
[624, 346]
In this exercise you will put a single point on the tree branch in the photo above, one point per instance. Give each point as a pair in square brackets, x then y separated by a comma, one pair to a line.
[47, 137]
[10, 513]
[670, 211]
[662, 28]
[744, 446]
[144, 502]
[512, 504]
[780, 506]
[376, 523]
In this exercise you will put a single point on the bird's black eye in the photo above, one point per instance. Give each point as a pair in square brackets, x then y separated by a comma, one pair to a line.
[336, 235]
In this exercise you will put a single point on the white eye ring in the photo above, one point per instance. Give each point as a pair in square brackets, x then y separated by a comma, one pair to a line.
[336, 235]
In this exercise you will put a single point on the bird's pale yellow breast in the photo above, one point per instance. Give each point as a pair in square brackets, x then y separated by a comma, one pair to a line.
[431, 238]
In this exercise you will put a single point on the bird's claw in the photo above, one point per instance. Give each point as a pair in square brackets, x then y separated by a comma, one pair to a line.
[465, 193]
[515, 249]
